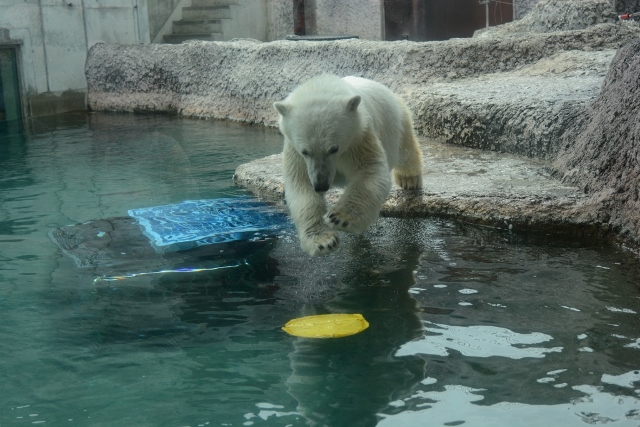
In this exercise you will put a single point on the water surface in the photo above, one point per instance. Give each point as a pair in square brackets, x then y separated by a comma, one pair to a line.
[469, 325]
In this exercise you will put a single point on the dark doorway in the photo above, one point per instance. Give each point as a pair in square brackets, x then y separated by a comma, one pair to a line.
[426, 20]
[10, 106]
[298, 18]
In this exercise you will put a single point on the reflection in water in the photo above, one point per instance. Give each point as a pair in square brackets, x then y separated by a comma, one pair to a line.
[458, 405]
[478, 341]
[347, 381]
[627, 380]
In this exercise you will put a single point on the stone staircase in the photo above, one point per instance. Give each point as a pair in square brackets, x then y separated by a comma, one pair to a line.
[201, 21]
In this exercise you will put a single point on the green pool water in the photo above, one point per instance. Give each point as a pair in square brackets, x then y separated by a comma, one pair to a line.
[468, 325]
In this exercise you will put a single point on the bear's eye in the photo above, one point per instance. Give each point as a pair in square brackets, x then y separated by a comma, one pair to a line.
[304, 152]
[333, 150]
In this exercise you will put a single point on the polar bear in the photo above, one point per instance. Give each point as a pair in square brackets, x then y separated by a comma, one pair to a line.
[346, 131]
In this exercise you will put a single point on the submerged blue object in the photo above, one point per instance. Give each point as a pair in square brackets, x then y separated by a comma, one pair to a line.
[193, 223]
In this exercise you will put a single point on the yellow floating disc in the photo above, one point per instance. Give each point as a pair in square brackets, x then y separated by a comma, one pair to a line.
[326, 325]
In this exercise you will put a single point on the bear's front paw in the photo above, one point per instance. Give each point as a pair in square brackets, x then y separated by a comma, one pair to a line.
[321, 243]
[343, 221]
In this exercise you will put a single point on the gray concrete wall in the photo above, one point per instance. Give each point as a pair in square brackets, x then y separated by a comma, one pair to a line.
[159, 13]
[248, 20]
[280, 18]
[54, 37]
[363, 18]
[167, 27]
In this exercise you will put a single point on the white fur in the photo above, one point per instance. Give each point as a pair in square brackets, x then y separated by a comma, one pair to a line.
[352, 130]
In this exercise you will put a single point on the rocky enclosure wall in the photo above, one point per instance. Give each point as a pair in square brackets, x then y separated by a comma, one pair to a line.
[601, 153]
[558, 15]
[241, 80]
[523, 90]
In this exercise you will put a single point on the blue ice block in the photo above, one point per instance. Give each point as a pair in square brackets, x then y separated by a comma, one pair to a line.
[193, 223]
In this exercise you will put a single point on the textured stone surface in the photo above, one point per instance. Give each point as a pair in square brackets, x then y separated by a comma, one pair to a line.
[524, 111]
[280, 19]
[241, 80]
[556, 15]
[623, 6]
[362, 18]
[602, 154]
[478, 186]
[523, 7]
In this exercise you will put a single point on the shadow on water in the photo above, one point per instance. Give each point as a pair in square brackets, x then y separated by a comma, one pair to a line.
[347, 381]
[184, 296]
[235, 312]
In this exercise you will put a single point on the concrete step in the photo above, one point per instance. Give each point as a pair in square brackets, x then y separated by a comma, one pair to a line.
[179, 38]
[197, 27]
[523, 112]
[212, 3]
[207, 12]
[497, 189]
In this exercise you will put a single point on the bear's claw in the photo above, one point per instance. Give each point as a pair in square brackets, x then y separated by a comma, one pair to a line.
[320, 244]
[407, 182]
[342, 222]
[333, 219]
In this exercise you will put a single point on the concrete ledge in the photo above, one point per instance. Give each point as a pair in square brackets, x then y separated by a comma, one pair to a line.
[482, 187]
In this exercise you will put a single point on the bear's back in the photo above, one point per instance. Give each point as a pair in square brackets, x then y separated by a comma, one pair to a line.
[386, 113]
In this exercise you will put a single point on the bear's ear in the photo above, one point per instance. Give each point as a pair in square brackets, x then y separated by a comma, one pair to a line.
[282, 108]
[353, 103]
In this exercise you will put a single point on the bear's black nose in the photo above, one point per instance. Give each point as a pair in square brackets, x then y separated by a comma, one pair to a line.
[321, 187]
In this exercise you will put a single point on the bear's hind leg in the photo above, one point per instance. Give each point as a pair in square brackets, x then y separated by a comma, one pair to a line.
[407, 182]
[408, 172]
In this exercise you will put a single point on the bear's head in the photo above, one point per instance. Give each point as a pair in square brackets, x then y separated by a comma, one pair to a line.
[321, 128]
